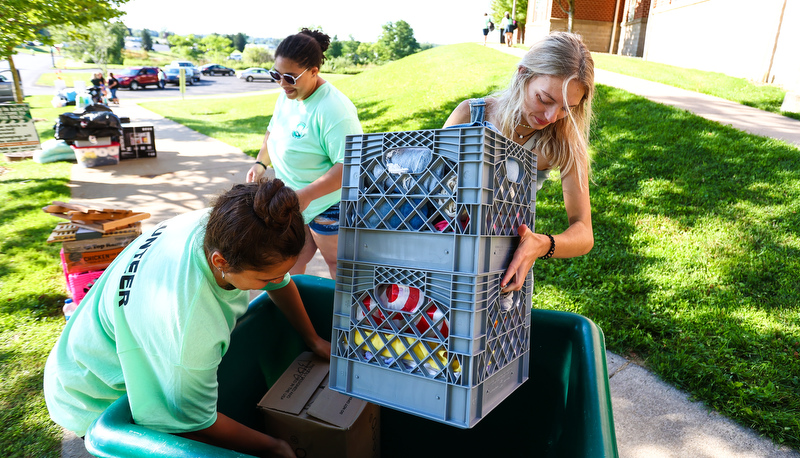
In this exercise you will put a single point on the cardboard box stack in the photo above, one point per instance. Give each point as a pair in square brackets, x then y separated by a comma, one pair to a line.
[316, 421]
[91, 240]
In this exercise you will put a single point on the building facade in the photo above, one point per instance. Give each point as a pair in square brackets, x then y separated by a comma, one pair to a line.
[758, 41]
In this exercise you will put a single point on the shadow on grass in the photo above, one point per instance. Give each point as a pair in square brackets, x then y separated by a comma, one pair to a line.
[695, 257]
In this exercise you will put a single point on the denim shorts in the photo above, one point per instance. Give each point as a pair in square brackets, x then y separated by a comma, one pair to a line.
[327, 222]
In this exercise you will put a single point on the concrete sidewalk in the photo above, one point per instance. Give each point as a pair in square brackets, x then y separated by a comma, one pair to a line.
[652, 419]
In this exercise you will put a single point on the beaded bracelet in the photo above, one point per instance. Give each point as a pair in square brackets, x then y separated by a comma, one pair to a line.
[552, 248]
[261, 164]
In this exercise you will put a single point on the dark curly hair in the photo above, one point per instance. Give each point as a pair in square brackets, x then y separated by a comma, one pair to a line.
[255, 225]
[306, 48]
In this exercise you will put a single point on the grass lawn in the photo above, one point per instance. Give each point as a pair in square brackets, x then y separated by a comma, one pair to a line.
[32, 291]
[765, 97]
[693, 272]
[696, 225]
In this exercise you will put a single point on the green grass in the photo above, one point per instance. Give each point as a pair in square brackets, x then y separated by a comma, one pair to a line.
[69, 78]
[696, 227]
[32, 290]
[693, 272]
[765, 97]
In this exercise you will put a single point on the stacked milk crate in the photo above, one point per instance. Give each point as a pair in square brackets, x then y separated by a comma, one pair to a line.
[429, 225]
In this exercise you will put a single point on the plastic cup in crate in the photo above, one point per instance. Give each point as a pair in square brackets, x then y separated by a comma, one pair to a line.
[97, 156]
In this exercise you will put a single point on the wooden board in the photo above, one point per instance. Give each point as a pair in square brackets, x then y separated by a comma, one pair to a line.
[96, 219]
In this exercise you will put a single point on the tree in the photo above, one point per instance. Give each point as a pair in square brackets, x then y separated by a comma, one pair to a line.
[397, 41]
[257, 56]
[184, 46]
[569, 11]
[518, 10]
[216, 47]
[240, 41]
[23, 20]
[98, 41]
[147, 40]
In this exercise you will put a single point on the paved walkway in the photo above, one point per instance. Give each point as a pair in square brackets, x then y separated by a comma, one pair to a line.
[652, 419]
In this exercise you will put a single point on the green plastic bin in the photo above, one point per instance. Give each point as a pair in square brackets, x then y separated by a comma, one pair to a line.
[563, 410]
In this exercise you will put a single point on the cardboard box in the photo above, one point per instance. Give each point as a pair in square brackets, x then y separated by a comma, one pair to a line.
[315, 420]
[99, 244]
[88, 260]
[138, 140]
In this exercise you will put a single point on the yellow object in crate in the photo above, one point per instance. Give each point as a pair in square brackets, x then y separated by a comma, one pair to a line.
[437, 362]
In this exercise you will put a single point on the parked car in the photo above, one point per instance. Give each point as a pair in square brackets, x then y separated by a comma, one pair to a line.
[255, 73]
[187, 64]
[6, 89]
[173, 76]
[211, 69]
[135, 78]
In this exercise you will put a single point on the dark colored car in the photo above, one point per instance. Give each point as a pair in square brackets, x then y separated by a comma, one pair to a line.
[135, 78]
[173, 76]
[212, 69]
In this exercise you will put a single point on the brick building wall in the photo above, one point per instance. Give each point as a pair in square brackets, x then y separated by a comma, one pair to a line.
[634, 27]
[593, 20]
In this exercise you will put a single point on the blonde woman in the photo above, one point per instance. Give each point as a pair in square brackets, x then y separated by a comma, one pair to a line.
[547, 108]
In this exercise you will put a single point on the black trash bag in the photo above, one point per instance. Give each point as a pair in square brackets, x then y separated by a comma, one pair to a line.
[98, 107]
[73, 126]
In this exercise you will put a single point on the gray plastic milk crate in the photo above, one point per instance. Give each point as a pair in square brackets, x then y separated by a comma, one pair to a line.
[444, 199]
[460, 351]
[433, 214]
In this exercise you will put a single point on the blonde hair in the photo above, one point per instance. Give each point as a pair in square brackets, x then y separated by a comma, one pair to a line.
[564, 143]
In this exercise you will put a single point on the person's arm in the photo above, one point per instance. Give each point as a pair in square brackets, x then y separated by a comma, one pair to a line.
[326, 184]
[257, 170]
[232, 435]
[289, 302]
[576, 240]
[460, 115]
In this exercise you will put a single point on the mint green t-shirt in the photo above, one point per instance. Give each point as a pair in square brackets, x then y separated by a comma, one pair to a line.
[307, 137]
[155, 325]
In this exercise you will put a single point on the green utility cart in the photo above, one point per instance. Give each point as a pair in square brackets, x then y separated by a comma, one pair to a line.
[563, 410]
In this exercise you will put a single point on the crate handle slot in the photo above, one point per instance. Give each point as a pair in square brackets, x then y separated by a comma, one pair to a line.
[514, 170]
[407, 160]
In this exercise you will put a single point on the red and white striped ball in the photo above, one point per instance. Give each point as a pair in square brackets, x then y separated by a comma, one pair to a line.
[435, 315]
[376, 313]
[400, 298]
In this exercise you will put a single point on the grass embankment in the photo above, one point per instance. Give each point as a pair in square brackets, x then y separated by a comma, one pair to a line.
[32, 290]
[696, 228]
[694, 267]
[765, 97]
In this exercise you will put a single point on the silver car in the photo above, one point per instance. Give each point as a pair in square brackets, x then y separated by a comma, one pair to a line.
[6, 89]
[255, 73]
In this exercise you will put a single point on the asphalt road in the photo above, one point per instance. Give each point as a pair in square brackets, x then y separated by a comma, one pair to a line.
[31, 67]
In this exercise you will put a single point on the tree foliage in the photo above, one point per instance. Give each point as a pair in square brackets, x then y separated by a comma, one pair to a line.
[216, 47]
[185, 46]
[257, 56]
[97, 42]
[520, 14]
[22, 20]
[147, 40]
[240, 41]
[396, 41]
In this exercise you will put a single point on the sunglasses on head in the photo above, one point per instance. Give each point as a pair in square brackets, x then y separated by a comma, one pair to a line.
[288, 78]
